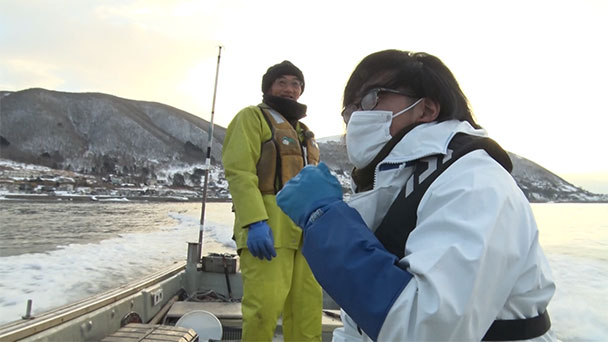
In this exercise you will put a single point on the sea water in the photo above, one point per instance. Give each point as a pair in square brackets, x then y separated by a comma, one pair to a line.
[59, 252]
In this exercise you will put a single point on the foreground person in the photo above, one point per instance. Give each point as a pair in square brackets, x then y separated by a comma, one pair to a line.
[438, 243]
[266, 145]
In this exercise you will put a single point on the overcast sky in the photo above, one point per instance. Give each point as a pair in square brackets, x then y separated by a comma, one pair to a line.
[534, 71]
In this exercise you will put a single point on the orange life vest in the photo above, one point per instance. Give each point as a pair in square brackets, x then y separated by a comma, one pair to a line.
[284, 154]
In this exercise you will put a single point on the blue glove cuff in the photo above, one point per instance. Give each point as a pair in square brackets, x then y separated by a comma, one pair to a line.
[314, 206]
[315, 215]
[257, 224]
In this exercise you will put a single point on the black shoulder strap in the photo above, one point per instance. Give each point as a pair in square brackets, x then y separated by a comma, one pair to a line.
[401, 217]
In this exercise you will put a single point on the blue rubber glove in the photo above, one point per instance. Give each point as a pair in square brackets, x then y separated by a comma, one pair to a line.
[260, 241]
[311, 189]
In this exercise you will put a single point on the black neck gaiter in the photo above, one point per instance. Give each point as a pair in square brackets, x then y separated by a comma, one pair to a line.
[291, 110]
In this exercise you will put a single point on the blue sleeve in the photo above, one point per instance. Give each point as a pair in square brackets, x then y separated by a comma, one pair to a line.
[353, 267]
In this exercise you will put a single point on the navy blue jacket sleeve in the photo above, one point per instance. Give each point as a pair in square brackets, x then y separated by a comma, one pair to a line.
[353, 267]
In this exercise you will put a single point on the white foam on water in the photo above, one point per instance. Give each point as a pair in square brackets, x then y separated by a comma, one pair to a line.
[578, 308]
[76, 271]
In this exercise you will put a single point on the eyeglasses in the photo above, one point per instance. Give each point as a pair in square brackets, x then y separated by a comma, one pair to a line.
[283, 83]
[368, 102]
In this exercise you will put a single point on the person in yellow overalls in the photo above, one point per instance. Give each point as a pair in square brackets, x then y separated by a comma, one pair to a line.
[265, 146]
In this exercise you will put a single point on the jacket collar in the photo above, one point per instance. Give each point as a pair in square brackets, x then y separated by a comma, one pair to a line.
[428, 139]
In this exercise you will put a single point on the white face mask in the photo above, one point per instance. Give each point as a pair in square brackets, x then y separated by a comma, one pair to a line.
[367, 132]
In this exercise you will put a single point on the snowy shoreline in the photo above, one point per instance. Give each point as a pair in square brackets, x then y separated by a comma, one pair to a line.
[104, 198]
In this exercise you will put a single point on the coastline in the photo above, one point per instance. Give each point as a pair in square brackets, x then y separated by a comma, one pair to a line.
[105, 198]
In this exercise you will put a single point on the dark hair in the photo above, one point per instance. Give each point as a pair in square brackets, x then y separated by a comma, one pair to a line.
[420, 73]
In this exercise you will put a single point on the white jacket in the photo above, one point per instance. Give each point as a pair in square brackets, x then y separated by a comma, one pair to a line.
[474, 254]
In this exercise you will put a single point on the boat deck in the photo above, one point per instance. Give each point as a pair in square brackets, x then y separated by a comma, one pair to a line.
[159, 300]
[230, 316]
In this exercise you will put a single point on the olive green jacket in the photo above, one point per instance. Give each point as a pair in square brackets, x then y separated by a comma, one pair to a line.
[240, 154]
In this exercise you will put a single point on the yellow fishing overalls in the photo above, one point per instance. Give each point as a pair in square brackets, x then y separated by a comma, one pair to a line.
[284, 285]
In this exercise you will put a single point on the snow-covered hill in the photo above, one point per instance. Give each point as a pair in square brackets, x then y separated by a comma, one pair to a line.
[98, 133]
[138, 147]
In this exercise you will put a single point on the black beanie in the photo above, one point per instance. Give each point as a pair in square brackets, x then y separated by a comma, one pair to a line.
[277, 70]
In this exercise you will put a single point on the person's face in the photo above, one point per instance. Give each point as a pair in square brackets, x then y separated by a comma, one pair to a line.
[287, 86]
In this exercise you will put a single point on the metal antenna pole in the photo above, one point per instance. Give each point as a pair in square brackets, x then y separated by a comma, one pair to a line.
[208, 160]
